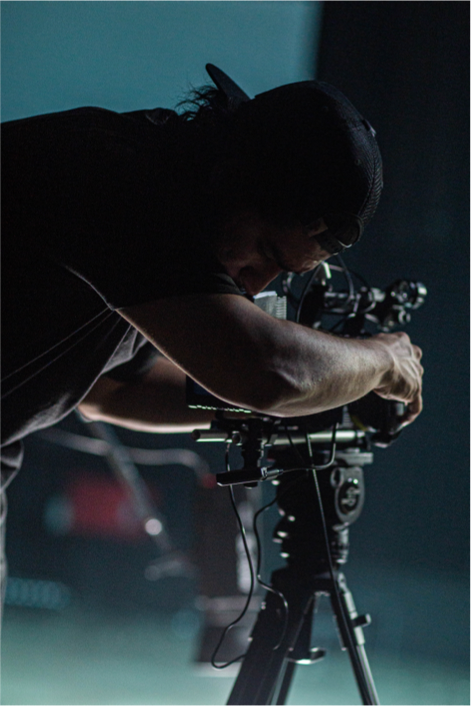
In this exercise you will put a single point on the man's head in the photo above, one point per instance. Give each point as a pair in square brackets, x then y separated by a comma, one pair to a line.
[298, 159]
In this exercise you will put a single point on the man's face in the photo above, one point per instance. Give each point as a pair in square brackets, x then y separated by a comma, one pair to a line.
[254, 252]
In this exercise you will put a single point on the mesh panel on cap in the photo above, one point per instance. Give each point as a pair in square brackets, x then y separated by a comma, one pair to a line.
[322, 154]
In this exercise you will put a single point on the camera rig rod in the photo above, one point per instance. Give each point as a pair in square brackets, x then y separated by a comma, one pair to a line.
[253, 439]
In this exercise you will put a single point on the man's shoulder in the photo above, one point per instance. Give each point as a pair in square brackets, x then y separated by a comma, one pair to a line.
[83, 113]
[155, 116]
[135, 126]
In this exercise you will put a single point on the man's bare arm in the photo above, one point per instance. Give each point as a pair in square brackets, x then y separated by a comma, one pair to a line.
[153, 403]
[248, 358]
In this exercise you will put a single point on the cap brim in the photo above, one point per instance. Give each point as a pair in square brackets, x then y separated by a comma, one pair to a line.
[226, 84]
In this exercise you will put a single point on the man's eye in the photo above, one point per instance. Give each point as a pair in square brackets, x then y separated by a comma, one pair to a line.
[314, 228]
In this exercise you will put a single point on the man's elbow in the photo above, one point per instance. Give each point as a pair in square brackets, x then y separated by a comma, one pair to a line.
[91, 411]
[94, 406]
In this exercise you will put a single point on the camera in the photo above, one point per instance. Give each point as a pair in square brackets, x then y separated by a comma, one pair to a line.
[329, 301]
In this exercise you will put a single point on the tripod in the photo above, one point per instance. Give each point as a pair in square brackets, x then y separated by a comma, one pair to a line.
[281, 637]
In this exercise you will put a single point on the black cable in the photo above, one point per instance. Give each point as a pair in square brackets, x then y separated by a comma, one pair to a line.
[333, 448]
[350, 297]
[344, 313]
[307, 467]
[295, 448]
[348, 276]
[304, 292]
[262, 583]
[252, 575]
[252, 579]
[266, 507]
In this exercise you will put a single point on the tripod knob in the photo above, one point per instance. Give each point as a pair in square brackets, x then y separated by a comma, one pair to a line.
[361, 621]
[315, 655]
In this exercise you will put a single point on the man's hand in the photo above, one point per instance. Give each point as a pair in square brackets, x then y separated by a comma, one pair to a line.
[403, 381]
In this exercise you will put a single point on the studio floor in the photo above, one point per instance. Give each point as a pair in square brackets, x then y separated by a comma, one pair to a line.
[83, 655]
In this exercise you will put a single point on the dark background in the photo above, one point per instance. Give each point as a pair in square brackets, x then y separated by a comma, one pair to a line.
[406, 67]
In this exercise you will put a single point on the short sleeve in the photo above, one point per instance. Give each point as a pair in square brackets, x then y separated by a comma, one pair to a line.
[138, 366]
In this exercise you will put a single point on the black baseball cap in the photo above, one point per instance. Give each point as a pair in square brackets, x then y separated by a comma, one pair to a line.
[323, 154]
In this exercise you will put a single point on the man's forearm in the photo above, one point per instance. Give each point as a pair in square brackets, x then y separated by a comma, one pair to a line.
[154, 403]
[247, 358]
[320, 371]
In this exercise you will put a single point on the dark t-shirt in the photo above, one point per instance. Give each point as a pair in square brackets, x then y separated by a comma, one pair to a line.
[99, 211]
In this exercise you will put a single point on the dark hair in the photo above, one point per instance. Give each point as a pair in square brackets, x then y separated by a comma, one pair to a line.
[206, 104]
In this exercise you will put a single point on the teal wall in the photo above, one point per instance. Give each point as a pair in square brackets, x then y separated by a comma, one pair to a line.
[132, 55]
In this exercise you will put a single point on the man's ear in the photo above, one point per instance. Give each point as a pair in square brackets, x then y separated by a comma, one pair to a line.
[226, 177]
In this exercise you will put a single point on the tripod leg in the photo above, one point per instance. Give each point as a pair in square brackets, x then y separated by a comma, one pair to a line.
[286, 683]
[301, 653]
[263, 665]
[350, 626]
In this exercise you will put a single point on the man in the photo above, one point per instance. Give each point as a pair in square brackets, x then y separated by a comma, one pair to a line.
[124, 235]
